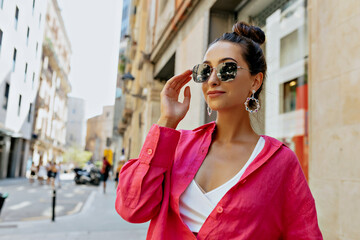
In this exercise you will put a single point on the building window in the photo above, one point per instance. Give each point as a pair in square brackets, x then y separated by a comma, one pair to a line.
[16, 17]
[27, 36]
[29, 114]
[6, 95]
[74, 111]
[33, 7]
[33, 80]
[36, 50]
[289, 96]
[290, 51]
[1, 36]
[14, 59]
[19, 105]
[39, 20]
[26, 68]
[1, 4]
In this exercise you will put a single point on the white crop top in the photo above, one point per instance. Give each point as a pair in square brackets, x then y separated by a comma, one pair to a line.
[196, 206]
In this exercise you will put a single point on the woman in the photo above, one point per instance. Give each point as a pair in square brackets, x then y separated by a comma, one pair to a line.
[33, 170]
[221, 180]
[41, 171]
[106, 166]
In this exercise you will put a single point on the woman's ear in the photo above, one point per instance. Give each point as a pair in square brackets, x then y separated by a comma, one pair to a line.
[258, 79]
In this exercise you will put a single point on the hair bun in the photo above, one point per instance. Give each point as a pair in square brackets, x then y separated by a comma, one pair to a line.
[252, 32]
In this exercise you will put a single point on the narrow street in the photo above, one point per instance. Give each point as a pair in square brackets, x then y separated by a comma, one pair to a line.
[32, 201]
[82, 212]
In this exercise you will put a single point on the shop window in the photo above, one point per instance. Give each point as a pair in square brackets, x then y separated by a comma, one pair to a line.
[289, 96]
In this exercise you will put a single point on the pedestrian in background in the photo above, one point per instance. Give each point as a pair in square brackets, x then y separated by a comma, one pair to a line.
[53, 173]
[41, 172]
[221, 180]
[119, 166]
[33, 170]
[48, 172]
[118, 169]
[57, 177]
[106, 167]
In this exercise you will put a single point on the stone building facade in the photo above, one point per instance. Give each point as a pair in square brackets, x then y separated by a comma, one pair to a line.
[99, 130]
[334, 105]
[21, 36]
[51, 103]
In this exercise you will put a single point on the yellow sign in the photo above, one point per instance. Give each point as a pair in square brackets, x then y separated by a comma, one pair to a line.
[109, 155]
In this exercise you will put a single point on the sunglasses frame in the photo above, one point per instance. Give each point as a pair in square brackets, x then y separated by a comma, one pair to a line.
[216, 70]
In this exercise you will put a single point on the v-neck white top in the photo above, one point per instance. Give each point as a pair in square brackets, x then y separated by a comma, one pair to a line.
[195, 205]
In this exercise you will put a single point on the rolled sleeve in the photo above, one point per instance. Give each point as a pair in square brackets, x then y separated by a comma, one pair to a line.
[159, 147]
[140, 189]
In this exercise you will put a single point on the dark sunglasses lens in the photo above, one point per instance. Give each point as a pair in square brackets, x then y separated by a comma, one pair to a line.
[226, 71]
[201, 72]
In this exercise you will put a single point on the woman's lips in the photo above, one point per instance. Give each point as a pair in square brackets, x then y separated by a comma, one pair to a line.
[215, 93]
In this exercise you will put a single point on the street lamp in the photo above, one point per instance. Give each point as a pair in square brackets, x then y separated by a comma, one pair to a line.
[128, 77]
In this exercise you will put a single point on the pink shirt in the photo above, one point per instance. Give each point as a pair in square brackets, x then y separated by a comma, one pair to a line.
[272, 199]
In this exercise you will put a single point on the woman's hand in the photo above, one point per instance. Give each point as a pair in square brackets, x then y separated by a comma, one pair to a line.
[173, 111]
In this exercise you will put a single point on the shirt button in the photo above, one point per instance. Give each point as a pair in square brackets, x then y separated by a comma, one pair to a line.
[149, 151]
[220, 209]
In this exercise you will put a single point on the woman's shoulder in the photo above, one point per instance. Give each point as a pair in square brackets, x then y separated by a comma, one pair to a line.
[282, 149]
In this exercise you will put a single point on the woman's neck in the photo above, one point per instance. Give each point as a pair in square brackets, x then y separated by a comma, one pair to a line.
[234, 126]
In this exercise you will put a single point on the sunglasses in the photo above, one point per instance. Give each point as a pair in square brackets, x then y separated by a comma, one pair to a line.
[225, 71]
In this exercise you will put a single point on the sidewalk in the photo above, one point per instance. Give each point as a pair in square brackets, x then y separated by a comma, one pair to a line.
[97, 220]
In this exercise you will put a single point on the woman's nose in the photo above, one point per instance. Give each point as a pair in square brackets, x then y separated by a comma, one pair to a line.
[213, 79]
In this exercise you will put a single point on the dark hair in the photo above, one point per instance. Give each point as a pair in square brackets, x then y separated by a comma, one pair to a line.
[250, 38]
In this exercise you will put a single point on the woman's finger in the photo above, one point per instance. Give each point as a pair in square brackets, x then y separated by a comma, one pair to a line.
[172, 82]
[187, 96]
[179, 82]
[182, 83]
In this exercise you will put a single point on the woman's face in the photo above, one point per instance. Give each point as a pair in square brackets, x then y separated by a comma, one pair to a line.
[232, 94]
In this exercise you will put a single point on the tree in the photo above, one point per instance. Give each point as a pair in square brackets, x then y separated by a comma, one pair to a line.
[77, 156]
